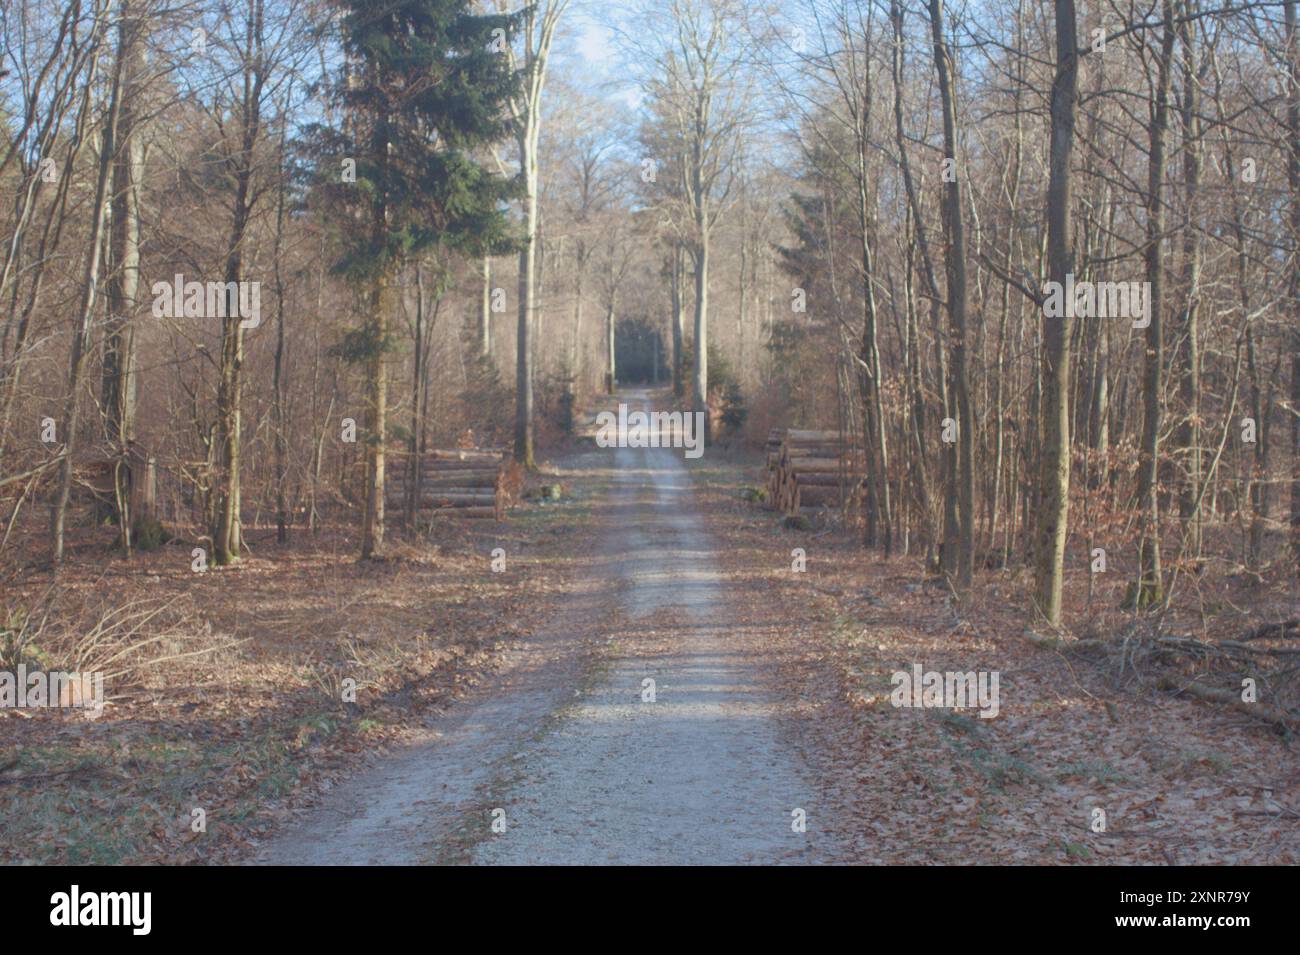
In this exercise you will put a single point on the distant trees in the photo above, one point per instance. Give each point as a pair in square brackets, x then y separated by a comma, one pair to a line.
[865, 246]
[590, 184]
[841, 122]
[618, 250]
[692, 53]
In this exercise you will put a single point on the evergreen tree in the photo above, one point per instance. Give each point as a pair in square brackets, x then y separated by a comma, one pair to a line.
[424, 84]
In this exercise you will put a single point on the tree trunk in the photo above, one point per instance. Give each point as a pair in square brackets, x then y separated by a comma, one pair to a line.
[119, 373]
[1293, 180]
[879, 520]
[537, 32]
[227, 536]
[281, 411]
[678, 318]
[579, 270]
[611, 377]
[700, 374]
[523, 340]
[1054, 451]
[372, 531]
[418, 360]
[1189, 385]
[81, 329]
[485, 310]
[955, 256]
[372, 526]
[1149, 587]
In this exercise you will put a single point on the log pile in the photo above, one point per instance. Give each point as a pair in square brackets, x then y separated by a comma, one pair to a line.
[469, 480]
[772, 450]
[810, 469]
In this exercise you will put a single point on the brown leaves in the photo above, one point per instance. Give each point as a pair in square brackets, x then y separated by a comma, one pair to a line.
[1170, 774]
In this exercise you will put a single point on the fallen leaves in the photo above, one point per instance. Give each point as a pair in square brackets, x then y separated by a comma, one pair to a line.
[248, 732]
[915, 789]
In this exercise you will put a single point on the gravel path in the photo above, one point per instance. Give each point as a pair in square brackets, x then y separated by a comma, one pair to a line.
[702, 774]
[399, 809]
[584, 769]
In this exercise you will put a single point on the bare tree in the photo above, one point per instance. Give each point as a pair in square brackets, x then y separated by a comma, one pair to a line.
[963, 474]
[1149, 587]
[536, 34]
[119, 389]
[1293, 182]
[590, 184]
[89, 287]
[692, 52]
[1054, 453]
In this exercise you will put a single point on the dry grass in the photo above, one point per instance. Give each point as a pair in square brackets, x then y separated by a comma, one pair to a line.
[226, 689]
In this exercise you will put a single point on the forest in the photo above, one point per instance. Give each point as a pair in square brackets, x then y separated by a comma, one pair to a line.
[989, 311]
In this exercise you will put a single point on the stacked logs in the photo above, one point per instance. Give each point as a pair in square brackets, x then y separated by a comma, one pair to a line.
[470, 480]
[772, 451]
[810, 469]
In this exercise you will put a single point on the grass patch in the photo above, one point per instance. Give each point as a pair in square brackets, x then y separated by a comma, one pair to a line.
[970, 743]
[111, 800]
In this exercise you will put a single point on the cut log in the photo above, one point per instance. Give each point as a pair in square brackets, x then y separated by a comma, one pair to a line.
[483, 457]
[468, 482]
[449, 479]
[450, 499]
[794, 436]
[820, 465]
[467, 512]
[808, 468]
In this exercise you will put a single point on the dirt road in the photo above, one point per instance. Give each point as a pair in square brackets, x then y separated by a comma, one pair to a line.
[572, 752]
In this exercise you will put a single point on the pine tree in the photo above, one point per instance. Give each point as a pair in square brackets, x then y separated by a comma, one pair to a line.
[425, 83]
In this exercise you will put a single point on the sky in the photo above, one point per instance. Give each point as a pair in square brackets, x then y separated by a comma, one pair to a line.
[593, 64]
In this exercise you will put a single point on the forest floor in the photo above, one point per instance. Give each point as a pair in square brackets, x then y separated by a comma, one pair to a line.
[226, 694]
[521, 698]
[1179, 781]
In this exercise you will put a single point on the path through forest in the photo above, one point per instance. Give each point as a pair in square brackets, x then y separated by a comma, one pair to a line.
[565, 740]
